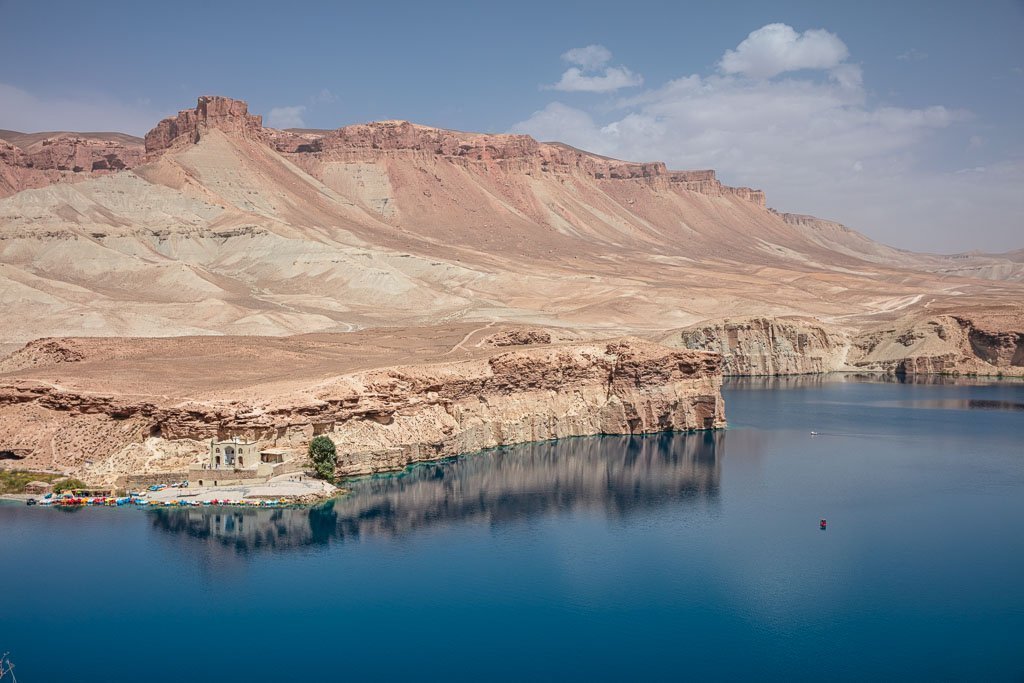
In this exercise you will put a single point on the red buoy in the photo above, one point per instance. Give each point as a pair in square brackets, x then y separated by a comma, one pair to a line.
[823, 524]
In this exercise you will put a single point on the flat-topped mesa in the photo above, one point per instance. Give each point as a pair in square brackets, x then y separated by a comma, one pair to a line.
[509, 152]
[383, 137]
[211, 111]
[705, 182]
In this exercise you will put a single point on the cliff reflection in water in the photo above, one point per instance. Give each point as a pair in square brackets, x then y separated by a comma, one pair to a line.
[616, 475]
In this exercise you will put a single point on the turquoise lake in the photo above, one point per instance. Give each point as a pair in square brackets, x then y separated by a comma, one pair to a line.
[667, 557]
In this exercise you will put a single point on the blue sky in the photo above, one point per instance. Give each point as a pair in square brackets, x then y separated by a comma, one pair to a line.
[902, 120]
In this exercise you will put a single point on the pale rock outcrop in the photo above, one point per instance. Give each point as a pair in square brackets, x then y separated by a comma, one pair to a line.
[944, 344]
[768, 346]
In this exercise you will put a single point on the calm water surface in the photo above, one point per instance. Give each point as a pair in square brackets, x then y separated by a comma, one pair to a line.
[660, 558]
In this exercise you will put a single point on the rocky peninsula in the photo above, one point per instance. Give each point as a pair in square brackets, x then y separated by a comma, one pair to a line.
[101, 408]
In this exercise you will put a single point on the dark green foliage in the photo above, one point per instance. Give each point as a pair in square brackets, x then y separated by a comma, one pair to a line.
[13, 481]
[324, 457]
[69, 485]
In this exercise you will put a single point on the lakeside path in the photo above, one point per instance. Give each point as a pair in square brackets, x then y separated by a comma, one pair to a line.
[292, 487]
[289, 486]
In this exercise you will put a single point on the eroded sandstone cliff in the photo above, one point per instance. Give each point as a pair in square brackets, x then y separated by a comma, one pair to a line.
[511, 153]
[210, 112]
[769, 346]
[947, 344]
[381, 419]
[63, 158]
[941, 344]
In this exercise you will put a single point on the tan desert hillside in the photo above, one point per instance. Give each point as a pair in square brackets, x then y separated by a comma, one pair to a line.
[240, 241]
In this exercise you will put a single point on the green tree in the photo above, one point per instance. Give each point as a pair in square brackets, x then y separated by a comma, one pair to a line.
[324, 457]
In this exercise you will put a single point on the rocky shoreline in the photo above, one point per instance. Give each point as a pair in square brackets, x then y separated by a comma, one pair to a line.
[381, 419]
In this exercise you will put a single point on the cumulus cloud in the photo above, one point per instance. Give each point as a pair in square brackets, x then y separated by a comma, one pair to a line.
[847, 76]
[612, 79]
[590, 57]
[286, 117]
[746, 128]
[816, 145]
[27, 112]
[591, 73]
[777, 48]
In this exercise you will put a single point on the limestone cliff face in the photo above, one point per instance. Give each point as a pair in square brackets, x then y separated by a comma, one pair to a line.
[382, 419]
[943, 344]
[768, 346]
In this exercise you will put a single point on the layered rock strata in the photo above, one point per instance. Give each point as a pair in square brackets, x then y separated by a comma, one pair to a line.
[210, 112]
[511, 153]
[769, 346]
[943, 344]
[64, 158]
[380, 419]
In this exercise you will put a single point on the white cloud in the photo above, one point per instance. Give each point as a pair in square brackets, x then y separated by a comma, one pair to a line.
[551, 123]
[24, 111]
[847, 76]
[591, 73]
[815, 145]
[286, 117]
[748, 129]
[612, 79]
[777, 48]
[590, 57]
